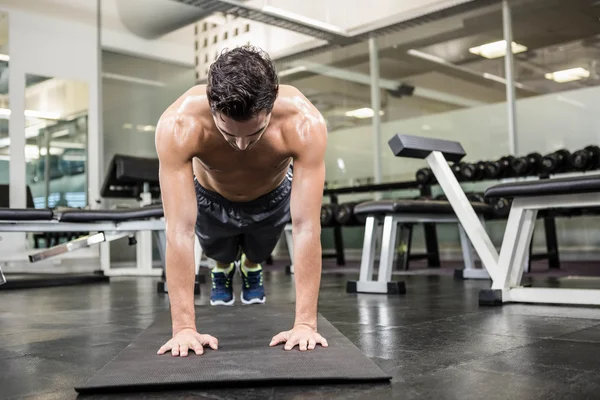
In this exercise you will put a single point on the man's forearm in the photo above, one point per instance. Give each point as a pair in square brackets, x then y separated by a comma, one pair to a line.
[307, 274]
[180, 273]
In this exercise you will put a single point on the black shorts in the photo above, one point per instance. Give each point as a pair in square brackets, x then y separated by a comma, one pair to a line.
[225, 228]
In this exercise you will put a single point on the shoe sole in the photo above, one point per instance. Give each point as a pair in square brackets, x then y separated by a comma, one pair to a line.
[222, 303]
[254, 301]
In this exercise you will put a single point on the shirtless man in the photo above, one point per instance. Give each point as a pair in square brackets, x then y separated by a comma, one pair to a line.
[225, 152]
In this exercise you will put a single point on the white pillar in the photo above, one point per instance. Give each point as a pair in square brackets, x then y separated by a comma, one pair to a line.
[376, 106]
[510, 80]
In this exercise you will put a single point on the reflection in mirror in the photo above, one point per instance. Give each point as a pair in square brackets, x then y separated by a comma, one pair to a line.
[56, 141]
[4, 109]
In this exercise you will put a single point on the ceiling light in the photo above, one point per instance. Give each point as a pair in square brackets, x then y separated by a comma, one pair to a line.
[4, 57]
[5, 112]
[42, 114]
[362, 113]
[496, 49]
[300, 18]
[568, 75]
[291, 71]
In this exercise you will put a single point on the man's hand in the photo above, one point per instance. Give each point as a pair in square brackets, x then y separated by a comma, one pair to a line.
[188, 339]
[302, 335]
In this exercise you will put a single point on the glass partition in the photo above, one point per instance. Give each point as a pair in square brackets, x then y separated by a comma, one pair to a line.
[56, 141]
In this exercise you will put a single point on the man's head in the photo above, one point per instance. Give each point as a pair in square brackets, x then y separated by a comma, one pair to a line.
[242, 89]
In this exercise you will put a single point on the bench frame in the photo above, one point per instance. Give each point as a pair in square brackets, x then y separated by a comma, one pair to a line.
[507, 267]
[384, 284]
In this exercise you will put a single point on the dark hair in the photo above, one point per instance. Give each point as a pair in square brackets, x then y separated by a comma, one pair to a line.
[241, 83]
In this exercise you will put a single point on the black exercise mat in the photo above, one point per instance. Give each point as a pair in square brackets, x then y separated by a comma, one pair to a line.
[244, 357]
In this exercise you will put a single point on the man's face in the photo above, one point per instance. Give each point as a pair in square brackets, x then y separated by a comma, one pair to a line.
[242, 135]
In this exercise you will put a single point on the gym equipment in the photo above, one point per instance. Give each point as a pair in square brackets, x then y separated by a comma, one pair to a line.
[456, 169]
[586, 159]
[491, 170]
[244, 334]
[556, 162]
[391, 213]
[506, 268]
[528, 165]
[328, 212]
[424, 176]
[344, 214]
[473, 172]
[127, 177]
[475, 197]
[505, 167]
[502, 207]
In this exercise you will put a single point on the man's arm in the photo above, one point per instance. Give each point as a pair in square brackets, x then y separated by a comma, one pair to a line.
[306, 200]
[179, 203]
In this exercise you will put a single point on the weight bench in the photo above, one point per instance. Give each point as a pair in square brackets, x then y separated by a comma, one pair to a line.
[506, 267]
[404, 212]
[106, 225]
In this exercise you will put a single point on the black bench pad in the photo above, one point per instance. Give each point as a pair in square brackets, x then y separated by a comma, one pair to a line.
[413, 207]
[546, 187]
[111, 215]
[25, 214]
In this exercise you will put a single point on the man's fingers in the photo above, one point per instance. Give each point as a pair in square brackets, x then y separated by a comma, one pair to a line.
[279, 338]
[291, 343]
[183, 349]
[210, 340]
[164, 348]
[175, 350]
[213, 343]
[323, 342]
[197, 347]
[303, 344]
[312, 343]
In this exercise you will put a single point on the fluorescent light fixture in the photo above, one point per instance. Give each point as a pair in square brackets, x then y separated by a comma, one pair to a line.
[145, 128]
[362, 113]
[427, 56]
[496, 49]
[568, 75]
[341, 164]
[425, 127]
[42, 114]
[291, 71]
[5, 112]
[127, 126]
[4, 57]
[133, 79]
[302, 19]
[61, 133]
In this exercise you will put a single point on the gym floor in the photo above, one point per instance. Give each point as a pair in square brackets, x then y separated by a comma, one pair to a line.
[435, 341]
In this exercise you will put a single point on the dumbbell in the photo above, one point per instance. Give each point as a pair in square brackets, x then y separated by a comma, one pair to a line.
[441, 197]
[476, 197]
[344, 214]
[528, 165]
[456, 169]
[558, 161]
[502, 207]
[491, 170]
[586, 159]
[473, 172]
[425, 176]
[328, 214]
[505, 167]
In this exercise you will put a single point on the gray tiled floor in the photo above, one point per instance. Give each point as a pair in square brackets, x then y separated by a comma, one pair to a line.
[435, 341]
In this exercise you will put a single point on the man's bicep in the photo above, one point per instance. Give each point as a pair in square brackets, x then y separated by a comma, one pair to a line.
[309, 180]
[178, 196]
[176, 182]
